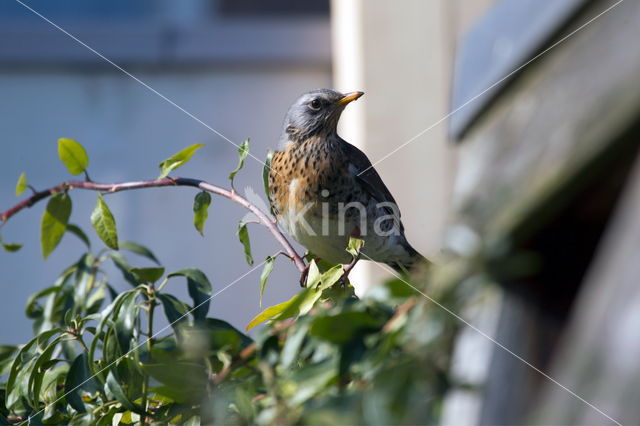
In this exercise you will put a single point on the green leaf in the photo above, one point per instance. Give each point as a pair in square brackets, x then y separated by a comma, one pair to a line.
[10, 247]
[94, 301]
[201, 210]
[73, 155]
[266, 271]
[43, 338]
[175, 310]
[129, 418]
[243, 235]
[312, 379]
[355, 245]
[18, 367]
[54, 222]
[313, 275]
[265, 174]
[114, 390]
[292, 345]
[274, 311]
[78, 382]
[38, 370]
[331, 277]
[199, 289]
[33, 309]
[395, 291]
[316, 284]
[6, 359]
[244, 404]
[268, 313]
[109, 350]
[243, 151]
[104, 224]
[306, 302]
[139, 250]
[212, 335]
[78, 232]
[180, 395]
[22, 184]
[125, 321]
[192, 421]
[181, 375]
[147, 275]
[178, 160]
[341, 328]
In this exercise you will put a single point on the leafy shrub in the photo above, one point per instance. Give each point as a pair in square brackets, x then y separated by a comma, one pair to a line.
[324, 357]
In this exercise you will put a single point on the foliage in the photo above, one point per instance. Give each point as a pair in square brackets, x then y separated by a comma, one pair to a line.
[243, 151]
[22, 184]
[324, 356]
[201, 204]
[54, 222]
[73, 155]
[178, 159]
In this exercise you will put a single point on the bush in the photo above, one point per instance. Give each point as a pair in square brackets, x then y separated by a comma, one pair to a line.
[324, 357]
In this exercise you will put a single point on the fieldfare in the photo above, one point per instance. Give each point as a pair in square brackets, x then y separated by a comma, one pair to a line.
[324, 190]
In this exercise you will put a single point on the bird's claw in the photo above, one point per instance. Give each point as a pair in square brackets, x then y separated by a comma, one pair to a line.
[347, 270]
[304, 275]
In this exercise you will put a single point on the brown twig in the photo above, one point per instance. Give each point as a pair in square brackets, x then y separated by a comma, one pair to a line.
[399, 312]
[126, 186]
[282, 253]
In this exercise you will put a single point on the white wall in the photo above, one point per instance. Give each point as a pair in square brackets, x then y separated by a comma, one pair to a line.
[401, 54]
[398, 53]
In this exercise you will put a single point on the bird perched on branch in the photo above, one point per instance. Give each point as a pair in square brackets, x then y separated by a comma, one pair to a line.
[324, 190]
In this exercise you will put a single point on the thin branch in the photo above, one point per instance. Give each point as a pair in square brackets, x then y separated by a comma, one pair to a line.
[281, 253]
[126, 186]
[151, 298]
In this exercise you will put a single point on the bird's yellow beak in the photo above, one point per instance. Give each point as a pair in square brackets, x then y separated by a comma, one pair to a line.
[349, 97]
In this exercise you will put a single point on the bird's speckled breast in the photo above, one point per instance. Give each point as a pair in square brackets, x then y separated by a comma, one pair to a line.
[312, 171]
[314, 180]
[311, 179]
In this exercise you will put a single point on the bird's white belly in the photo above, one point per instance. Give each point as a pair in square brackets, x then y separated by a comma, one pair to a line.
[319, 235]
[327, 236]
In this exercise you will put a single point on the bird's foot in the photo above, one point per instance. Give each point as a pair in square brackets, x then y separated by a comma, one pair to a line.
[347, 270]
[304, 275]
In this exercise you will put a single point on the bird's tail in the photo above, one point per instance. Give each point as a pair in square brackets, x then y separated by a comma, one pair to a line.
[409, 262]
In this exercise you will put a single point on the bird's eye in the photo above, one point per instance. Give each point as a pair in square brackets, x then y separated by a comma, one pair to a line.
[315, 104]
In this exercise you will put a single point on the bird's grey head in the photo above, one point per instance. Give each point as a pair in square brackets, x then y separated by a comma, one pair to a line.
[315, 114]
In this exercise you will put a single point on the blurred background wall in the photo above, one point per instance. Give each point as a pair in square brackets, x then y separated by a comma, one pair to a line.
[401, 54]
[236, 65]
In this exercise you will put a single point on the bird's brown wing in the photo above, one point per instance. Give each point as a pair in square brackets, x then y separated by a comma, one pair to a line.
[371, 181]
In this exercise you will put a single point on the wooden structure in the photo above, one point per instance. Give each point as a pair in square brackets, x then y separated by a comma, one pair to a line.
[549, 181]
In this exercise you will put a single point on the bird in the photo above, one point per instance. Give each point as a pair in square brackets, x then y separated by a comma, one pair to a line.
[323, 190]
